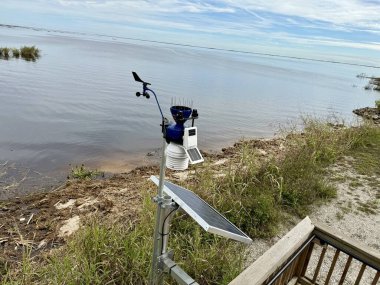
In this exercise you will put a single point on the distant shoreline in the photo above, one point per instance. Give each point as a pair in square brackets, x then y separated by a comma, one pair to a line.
[195, 46]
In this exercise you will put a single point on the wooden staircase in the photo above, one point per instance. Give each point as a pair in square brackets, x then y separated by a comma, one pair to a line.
[314, 254]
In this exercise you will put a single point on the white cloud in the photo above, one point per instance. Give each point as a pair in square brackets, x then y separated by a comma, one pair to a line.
[257, 21]
[159, 6]
[352, 13]
[326, 41]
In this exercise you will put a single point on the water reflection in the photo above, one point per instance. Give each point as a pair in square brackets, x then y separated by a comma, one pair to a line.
[76, 104]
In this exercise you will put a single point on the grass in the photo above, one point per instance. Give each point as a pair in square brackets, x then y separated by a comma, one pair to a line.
[255, 197]
[367, 151]
[121, 254]
[369, 207]
[28, 53]
[82, 172]
[355, 184]
[4, 52]
[15, 52]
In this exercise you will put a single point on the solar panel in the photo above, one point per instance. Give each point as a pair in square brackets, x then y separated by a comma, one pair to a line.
[205, 215]
[194, 155]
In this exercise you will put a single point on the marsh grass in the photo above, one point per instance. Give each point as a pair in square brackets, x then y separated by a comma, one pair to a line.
[15, 52]
[5, 52]
[28, 53]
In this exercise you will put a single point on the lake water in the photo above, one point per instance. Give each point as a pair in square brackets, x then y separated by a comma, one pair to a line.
[77, 103]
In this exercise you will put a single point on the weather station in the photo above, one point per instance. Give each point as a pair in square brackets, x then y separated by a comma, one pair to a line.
[178, 150]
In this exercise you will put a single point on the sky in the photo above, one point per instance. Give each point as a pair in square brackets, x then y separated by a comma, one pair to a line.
[342, 30]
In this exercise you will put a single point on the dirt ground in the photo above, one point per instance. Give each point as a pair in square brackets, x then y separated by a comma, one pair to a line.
[45, 220]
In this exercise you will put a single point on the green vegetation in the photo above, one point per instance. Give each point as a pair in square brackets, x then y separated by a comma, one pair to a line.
[15, 52]
[4, 52]
[27, 53]
[377, 103]
[121, 254]
[30, 53]
[256, 197]
[82, 172]
[367, 151]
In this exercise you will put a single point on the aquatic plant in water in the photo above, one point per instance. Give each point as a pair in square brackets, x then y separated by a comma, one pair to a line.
[25, 52]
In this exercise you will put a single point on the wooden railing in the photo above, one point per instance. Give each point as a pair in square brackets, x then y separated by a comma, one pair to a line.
[314, 254]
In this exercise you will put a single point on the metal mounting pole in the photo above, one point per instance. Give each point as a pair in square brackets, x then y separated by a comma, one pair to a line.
[156, 277]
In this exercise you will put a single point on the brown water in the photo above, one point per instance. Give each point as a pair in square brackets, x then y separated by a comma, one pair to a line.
[76, 104]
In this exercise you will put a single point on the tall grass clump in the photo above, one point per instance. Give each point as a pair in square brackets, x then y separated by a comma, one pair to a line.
[5, 52]
[16, 52]
[104, 254]
[209, 259]
[255, 196]
[121, 254]
[20, 276]
[366, 150]
[241, 196]
[29, 53]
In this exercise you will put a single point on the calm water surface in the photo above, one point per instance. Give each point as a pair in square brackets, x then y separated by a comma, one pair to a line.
[76, 104]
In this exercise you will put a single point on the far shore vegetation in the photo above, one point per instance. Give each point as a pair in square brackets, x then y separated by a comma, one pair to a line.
[257, 197]
[28, 53]
[373, 84]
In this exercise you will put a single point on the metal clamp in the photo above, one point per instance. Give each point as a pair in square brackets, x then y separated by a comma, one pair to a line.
[175, 271]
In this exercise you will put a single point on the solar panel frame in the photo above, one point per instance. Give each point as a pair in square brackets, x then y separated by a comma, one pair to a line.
[242, 237]
[191, 158]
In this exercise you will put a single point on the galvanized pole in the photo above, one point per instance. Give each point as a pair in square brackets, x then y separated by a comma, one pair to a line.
[156, 277]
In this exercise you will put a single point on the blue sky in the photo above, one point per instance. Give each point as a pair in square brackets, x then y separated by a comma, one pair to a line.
[347, 30]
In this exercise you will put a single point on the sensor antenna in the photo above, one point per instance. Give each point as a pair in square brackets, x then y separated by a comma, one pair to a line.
[145, 92]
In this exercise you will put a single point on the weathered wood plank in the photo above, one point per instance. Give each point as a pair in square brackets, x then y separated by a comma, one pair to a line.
[276, 256]
[293, 281]
[308, 255]
[304, 281]
[349, 246]
[332, 267]
[377, 276]
[320, 261]
[360, 275]
[301, 262]
[348, 263]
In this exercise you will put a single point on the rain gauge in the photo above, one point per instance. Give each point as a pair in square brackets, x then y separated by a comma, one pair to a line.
[178, 150]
